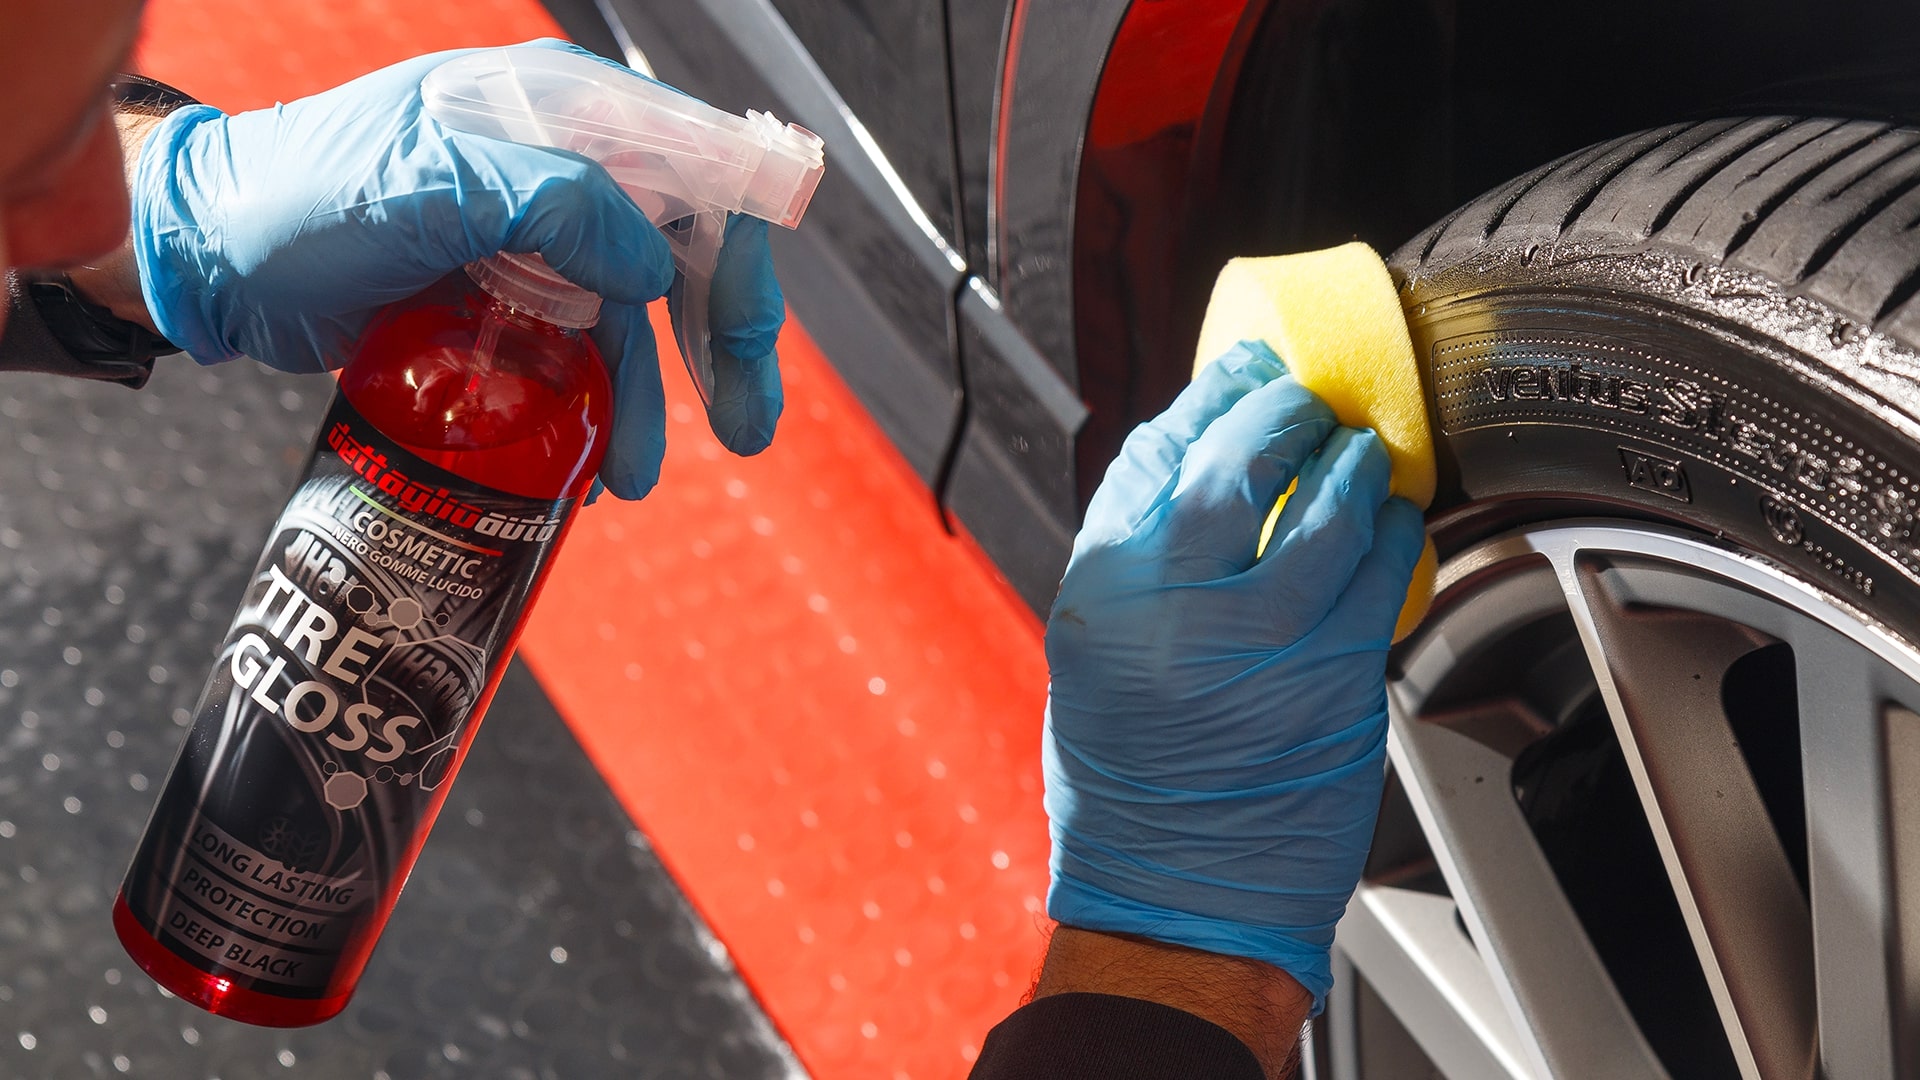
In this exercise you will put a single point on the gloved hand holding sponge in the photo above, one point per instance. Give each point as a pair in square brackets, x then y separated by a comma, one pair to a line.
[279, 233]
[1216, 728]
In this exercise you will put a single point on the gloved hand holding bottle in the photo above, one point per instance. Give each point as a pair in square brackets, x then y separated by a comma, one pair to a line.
[471, 415]
[1216, 728]
[278, 234]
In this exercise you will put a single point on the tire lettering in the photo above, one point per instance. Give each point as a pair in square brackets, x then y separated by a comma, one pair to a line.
[1690, 417]
[1662, 476]
[1783, 521]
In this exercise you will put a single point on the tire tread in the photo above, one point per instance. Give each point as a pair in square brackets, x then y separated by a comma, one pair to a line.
[1825, 207]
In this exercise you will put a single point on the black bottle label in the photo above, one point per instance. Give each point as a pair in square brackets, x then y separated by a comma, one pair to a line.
[379, 615]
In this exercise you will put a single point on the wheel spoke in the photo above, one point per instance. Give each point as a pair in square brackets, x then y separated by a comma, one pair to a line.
[1903, 784]
[1852, 742]
[1861, 768]
[1428, 972]
[1569, 1021]
[1341, 1021]
[1660, 673]
[1811, 957]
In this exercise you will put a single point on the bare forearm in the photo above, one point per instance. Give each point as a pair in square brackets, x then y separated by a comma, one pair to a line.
[113, 281]
[1257, 1003]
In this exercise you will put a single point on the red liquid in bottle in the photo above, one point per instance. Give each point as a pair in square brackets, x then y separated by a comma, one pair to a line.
[454, 380]
[500, 398]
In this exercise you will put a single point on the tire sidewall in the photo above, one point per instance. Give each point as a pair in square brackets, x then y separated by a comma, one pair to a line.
[1647, 385]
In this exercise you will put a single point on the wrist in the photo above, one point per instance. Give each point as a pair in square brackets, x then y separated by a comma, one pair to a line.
[1257, 1003]
[176, 261]
[1147, 898]
[113, 281]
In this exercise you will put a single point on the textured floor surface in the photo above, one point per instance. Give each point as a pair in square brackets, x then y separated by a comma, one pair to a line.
[828, 720]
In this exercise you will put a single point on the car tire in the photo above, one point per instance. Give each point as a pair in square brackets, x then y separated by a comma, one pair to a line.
[1674, 381]
[1711, 323]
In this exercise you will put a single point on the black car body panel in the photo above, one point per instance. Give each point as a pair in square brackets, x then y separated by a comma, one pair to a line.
[888, 60]
[870, 274]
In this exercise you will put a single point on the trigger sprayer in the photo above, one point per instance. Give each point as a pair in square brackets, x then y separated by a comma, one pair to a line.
[469, 422]
[686, 164]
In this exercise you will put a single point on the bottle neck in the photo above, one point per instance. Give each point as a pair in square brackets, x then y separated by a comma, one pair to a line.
[492, 307]
[528, 286]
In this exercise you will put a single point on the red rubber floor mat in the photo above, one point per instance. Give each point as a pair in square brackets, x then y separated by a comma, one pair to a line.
[822, 709]
[826, 713]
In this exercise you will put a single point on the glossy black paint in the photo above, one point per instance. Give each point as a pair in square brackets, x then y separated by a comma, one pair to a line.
[1059, 48]
[1012, 485]
[976, 36]
[868, 275]
[888, 59]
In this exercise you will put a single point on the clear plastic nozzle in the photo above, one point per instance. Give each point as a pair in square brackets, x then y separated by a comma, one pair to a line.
[686, 164]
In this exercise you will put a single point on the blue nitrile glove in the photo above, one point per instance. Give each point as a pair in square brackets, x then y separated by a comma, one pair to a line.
[1216, 728]
[278, 234]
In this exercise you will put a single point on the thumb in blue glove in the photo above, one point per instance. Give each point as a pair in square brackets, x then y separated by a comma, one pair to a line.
[278, 234]
[1216, 726]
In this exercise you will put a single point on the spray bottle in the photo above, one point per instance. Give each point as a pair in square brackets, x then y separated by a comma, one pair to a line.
[467, 426]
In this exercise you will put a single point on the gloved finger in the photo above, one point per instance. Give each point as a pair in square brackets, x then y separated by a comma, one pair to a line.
[566, 209]
[1323, 533]
[745, 312]
[638, 441]
[1367, 611]
[1141, 476]
[1231, 476]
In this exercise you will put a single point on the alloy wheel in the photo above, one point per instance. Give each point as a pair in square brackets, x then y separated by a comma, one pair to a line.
[1654, 812]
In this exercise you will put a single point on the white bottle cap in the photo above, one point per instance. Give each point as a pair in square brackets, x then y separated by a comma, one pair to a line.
[526, 284]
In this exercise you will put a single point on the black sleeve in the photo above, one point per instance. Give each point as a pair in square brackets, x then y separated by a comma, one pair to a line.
[51, 330]
[47, 332]
[1102, 1037]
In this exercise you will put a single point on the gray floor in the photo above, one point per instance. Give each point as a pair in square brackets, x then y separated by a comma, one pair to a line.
[539, 936]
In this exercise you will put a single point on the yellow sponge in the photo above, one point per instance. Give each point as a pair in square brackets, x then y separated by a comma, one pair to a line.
[1334, 317]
